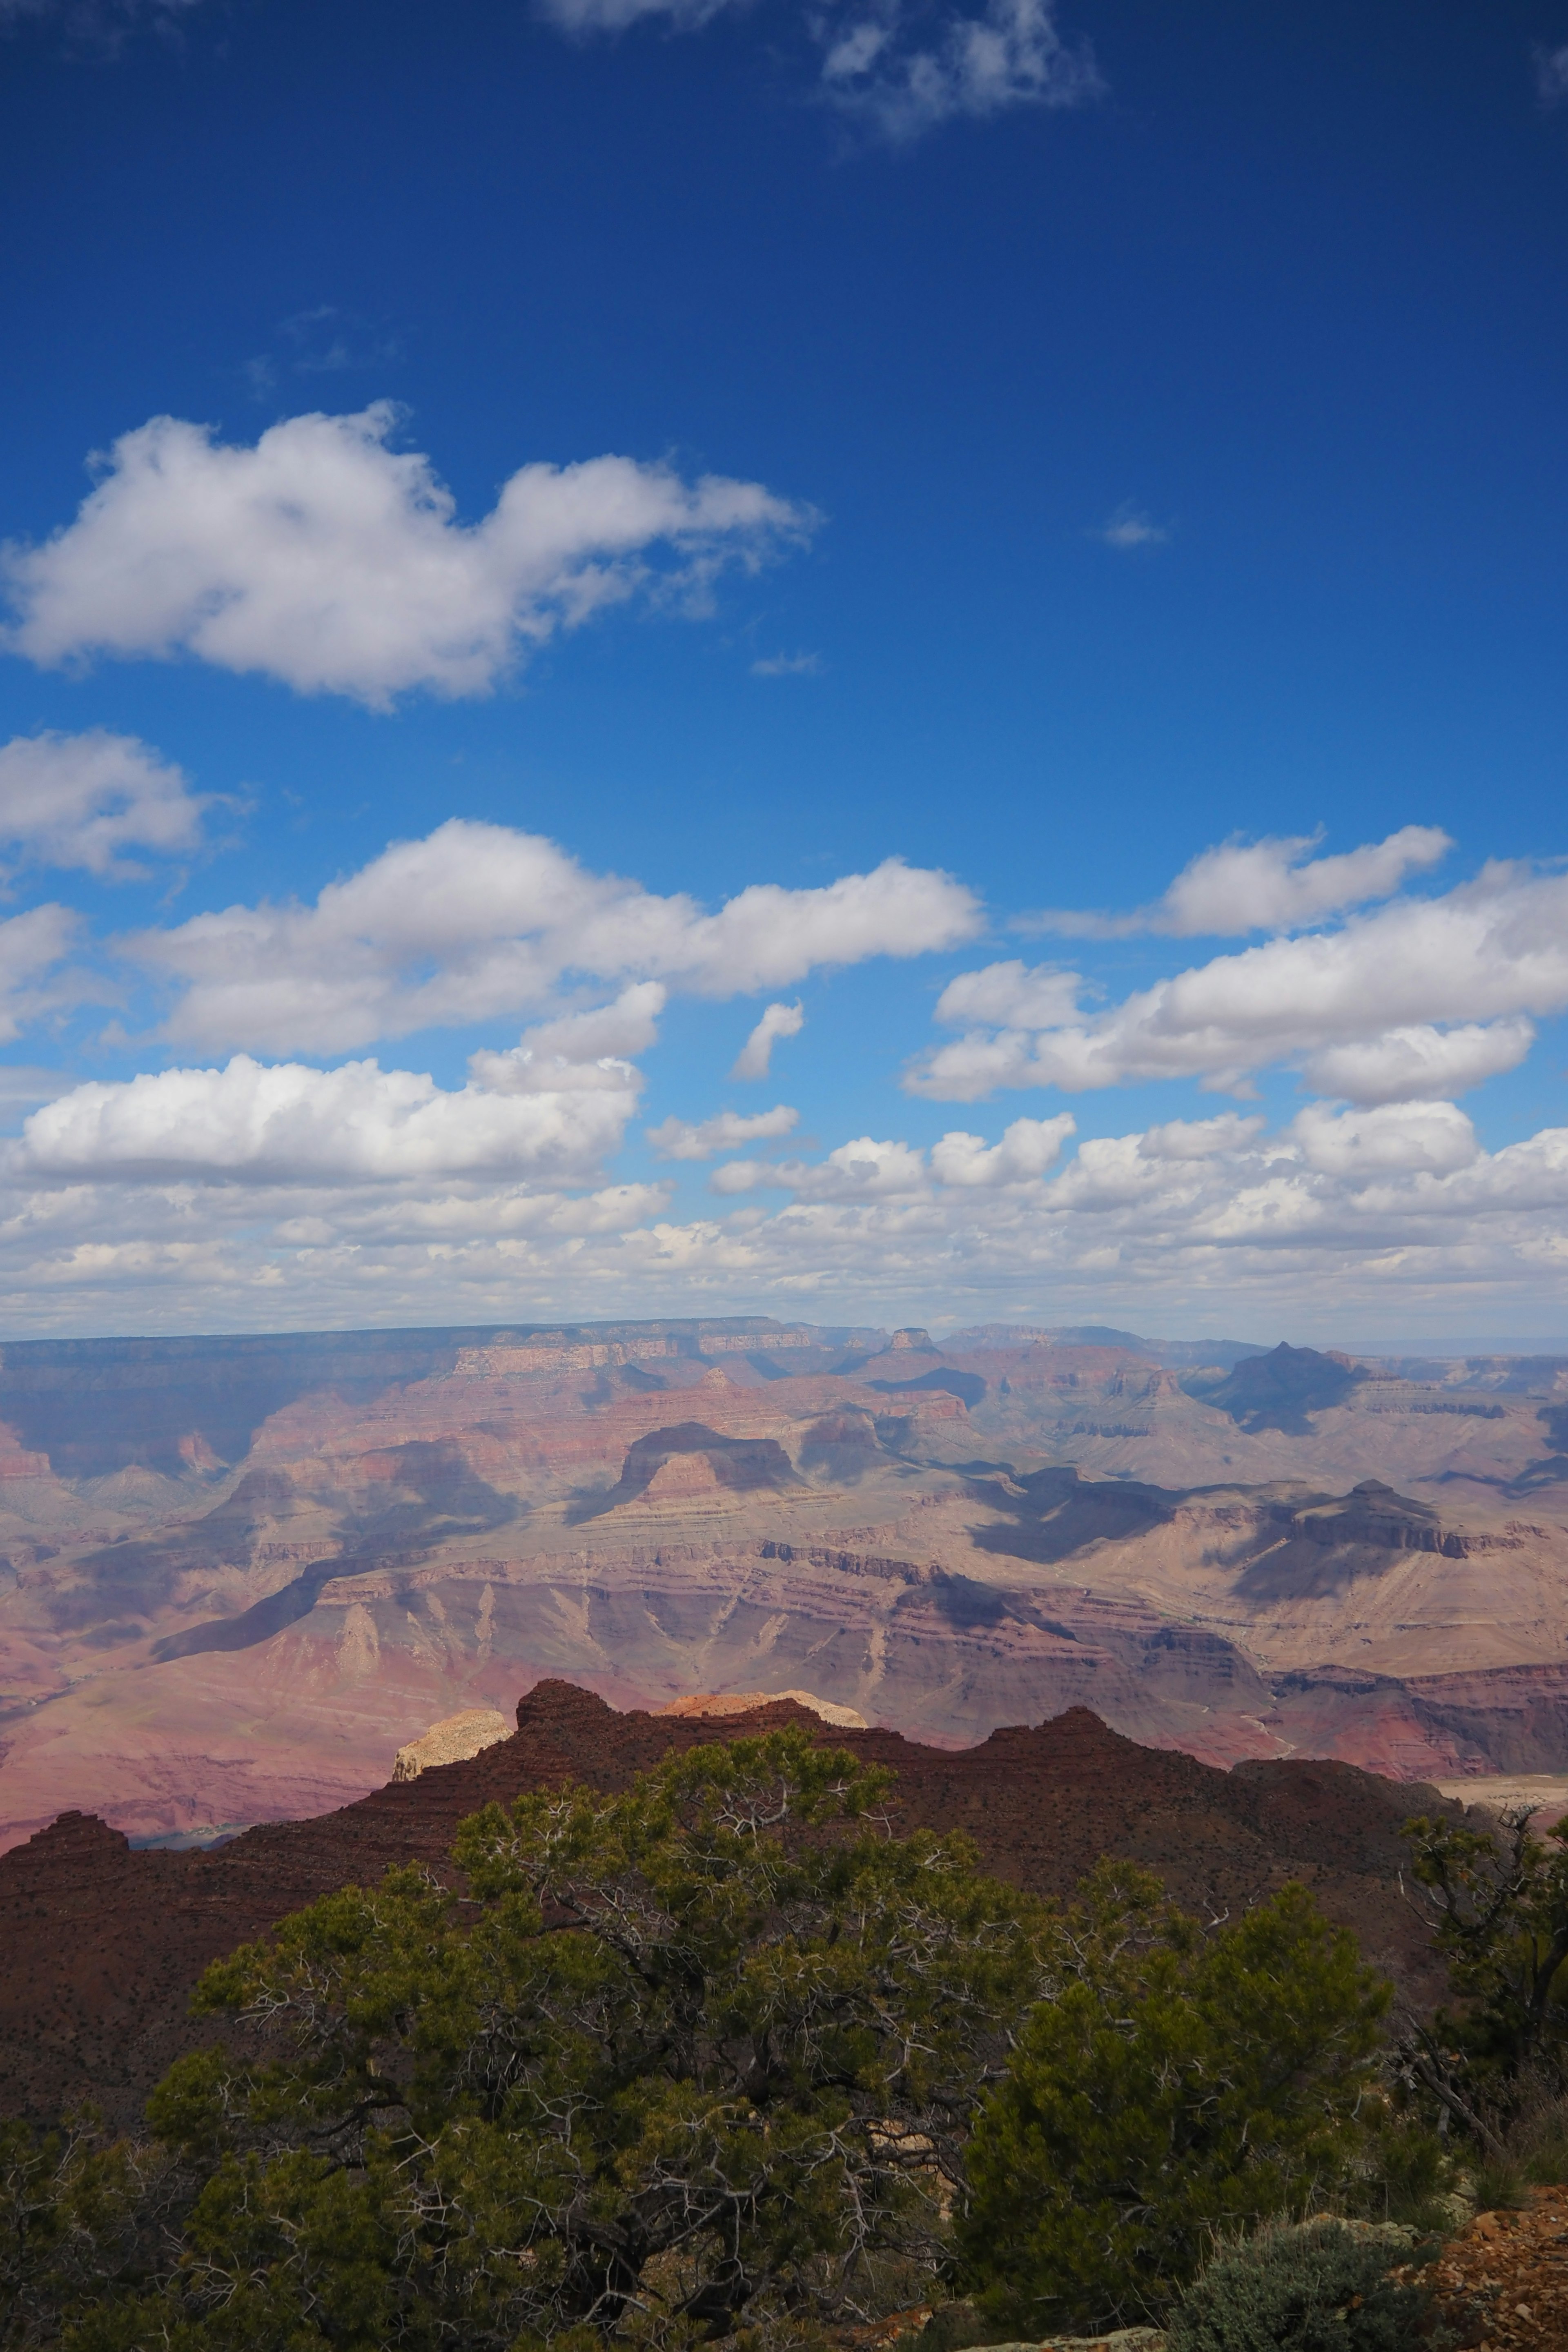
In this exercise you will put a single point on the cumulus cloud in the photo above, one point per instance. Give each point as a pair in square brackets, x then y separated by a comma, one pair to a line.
[1420, 993]
[756, 1055]
[866, 1169]
[680, 1139]
[325, 558]
[286, 1124]
[1342, 1224]
[1432, 1137]
[579, 1052]
[32, 948]
[1027, 1149]
[1012, 994]
[83, 800]
[1261, 886]
[477, 921]
[1419, 1061]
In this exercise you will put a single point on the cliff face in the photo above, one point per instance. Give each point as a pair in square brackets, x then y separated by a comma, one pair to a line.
[103, 1944]
[237, 1575]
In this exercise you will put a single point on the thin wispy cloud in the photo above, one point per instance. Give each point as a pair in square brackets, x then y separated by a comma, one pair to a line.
[788, 666]
[900, 68]
[1551, 75]
[97, 28]
[1129, 526]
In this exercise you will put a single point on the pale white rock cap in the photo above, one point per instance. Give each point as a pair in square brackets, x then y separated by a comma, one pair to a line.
[452, 1741]
[743, 1702]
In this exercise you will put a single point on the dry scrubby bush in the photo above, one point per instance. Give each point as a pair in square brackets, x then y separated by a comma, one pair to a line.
[1318, 2287]
[717, 2058]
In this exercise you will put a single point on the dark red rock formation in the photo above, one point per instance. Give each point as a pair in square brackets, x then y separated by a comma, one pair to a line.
[102, 1945]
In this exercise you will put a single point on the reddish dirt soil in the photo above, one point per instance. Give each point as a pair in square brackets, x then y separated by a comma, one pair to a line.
[1503, 2283]
[102, 1945]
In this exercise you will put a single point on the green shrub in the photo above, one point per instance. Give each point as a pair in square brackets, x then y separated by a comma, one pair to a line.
[1322, 2287]
[1181, 2083]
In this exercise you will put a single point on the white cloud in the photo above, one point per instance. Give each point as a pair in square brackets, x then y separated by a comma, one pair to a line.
[680, 1139]
[755, 1057]
[579, 1052]
[1389, 984]
[32, 947]
[865, 1169]
[1551, 75]
[1419, 1063]
[1199, 1139]
[888, 62]
[788, 666]
[477, 923]
[83, 800]
[1261, 886]
[1435, 1137]
[1128, 526]
[1013, 995]
[1338, 1228]
[326, 559]
[877, 64]
[286, 1124]
[1027, 1150]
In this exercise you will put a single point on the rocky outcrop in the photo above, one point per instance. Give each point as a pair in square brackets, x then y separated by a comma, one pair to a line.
[102, 1945]
[706, 1703]
[451, 1741]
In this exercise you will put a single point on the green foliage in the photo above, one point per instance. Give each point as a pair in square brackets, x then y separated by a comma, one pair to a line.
[73, 2204]
[1178, 2084]
[699, 2056]
[1319, 2287]
[1499, 1910]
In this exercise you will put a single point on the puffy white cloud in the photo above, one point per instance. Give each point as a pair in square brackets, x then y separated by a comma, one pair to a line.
[1199, 1139]
[1420, 1063]
[1262, 886]
[32, 947]
[755, 1057]
[286, 1124]
[326, 559]
[865, 1169]
[478, 921]
[1435, 1137]
[1337, 1228]
[1014, 996]
[1027, 1150]
[680, 1139]
[84, 800]
[581, 1051]
[1389, 984]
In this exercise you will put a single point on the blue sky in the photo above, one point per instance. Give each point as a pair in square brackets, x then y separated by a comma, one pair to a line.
[1144, 431]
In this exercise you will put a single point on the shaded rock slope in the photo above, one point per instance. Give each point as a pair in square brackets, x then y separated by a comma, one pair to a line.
[102, 1945]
